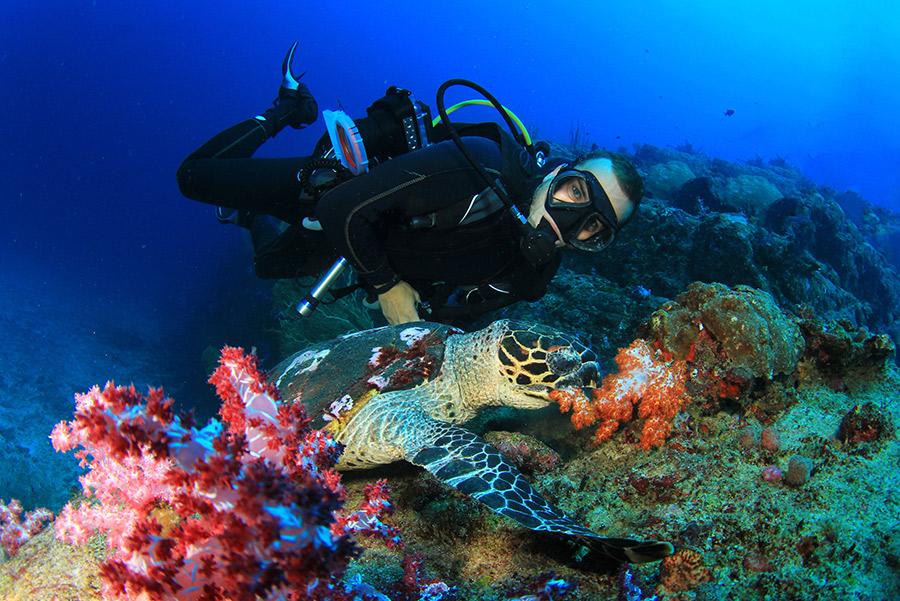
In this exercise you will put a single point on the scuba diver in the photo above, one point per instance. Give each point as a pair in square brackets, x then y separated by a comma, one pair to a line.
[440, 220]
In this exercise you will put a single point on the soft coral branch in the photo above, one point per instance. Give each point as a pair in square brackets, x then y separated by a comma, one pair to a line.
[368, 520]
[13, 531]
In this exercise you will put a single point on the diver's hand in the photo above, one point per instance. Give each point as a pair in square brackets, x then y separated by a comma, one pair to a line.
[399, 304]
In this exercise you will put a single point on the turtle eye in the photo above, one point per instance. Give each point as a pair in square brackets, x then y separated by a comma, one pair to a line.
[563, 361]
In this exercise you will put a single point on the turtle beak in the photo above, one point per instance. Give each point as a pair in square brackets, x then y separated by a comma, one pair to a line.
[584, 375]
[573, 366]
[581, 375]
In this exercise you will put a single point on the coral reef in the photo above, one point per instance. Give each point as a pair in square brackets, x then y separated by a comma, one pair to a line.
[605, 314]
[663, 180]
[47, 568]
[683, 571]
[758, 477]
[747, 194]
[778, 471]
[865, 424]
[799, 247]
[526, 452]
[840, 350]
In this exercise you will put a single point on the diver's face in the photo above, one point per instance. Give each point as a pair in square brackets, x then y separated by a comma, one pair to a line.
[622, 205]
[575, 191]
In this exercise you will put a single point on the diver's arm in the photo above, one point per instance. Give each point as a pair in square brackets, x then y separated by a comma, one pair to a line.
[522, 282]
[458, 312]
[398, 303]
[530, 283]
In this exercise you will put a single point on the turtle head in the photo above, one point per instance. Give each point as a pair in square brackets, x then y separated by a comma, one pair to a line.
[535, 360]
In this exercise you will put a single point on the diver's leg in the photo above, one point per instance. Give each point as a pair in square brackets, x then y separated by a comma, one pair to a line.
[264, 231]
[222, 173]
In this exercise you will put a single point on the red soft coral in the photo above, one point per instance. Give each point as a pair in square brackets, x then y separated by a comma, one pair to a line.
[645, 381]
[243, 512]
[367, 520]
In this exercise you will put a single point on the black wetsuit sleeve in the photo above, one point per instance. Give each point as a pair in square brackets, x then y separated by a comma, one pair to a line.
[530, 283]
[221, 172]
[357, 214]
[522, 282]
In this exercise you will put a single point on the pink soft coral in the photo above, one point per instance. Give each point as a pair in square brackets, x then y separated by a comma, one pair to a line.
[646, 381]
[244, 511]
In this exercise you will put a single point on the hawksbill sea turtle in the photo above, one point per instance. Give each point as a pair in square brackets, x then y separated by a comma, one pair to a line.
[400, 393]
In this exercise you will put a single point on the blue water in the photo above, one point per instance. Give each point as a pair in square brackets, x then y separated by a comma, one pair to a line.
[122, 277]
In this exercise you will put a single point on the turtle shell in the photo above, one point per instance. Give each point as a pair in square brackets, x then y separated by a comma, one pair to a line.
[333, 379]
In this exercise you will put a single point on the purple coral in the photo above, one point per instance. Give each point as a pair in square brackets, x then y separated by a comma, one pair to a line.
[631, 587]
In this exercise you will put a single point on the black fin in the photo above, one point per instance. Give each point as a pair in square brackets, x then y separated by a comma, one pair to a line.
[469, 464]
[626, 550]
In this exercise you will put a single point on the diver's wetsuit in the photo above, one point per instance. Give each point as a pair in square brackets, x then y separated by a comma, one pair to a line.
[461, 269]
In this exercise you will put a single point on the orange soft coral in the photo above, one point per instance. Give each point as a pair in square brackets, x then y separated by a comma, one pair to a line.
[644, 381]
[574, 400]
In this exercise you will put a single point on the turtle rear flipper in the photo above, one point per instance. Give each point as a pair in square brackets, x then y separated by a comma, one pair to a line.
[472, 466]
[625, 550]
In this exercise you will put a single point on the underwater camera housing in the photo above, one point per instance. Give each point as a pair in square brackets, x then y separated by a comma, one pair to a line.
[395, 124]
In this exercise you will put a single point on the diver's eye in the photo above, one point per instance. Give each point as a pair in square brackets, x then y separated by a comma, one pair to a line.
[571, 189]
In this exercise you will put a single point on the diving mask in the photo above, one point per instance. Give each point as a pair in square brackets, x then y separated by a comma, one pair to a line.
[578, 204]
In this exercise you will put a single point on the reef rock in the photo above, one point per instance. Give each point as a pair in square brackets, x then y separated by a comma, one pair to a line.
[750, 194]
[722, 250]
[664, 180]
[699, 195]
[818, 227]
[803, 252]
[839, 349]
[748, 334]
[526, 452]
[46, 568]
[606, 314]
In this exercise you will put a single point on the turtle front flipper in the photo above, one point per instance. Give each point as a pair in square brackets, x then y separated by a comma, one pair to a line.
[472, 466]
